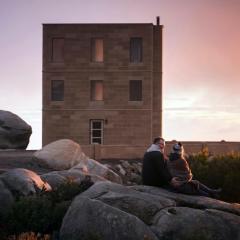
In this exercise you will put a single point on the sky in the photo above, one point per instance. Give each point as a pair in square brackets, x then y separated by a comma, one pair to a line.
[201, 59]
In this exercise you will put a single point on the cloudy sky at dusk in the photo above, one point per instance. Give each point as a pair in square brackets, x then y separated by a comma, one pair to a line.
[201, 59]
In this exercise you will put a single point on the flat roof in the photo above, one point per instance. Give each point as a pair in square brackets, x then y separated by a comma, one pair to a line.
[97, 24]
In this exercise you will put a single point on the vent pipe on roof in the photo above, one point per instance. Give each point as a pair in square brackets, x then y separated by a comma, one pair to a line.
[158, 20]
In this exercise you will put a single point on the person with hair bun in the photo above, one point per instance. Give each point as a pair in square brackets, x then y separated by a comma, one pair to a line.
[181, 173]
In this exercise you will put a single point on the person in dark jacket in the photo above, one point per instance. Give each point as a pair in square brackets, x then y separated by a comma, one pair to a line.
[154, 168]
[181, 172]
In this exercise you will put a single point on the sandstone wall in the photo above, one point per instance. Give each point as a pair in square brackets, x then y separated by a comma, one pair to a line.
[133, 122]
[99, 152]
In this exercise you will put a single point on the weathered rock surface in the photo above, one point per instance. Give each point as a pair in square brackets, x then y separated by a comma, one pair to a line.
[110, 210]
[60, 155]
[198, 202]
[129, 171]
[24, 182]
[188, 223]
[14, 132]
[96, 168]
[93, 219]
[66, 154]
[56, 178]
[139, 204]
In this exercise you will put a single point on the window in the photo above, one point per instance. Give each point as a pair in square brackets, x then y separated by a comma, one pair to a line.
[96, 90]
[97, 50]
[58, 49]
[136, 50]
[135, 90]
[96, 131]
[57, 90]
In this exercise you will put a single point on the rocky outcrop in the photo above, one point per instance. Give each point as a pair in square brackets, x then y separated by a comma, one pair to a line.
[129, 171]
[96, 168]
[56, 178]
[23, 182]
[66, 154]
[60, 155]
[93, 219]
[189, 200]
[14, 132]
[112, 211]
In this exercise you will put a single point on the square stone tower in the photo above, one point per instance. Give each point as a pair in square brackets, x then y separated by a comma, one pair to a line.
[102, 83]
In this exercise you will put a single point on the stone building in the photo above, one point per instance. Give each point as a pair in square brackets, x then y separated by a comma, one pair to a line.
[102, 83]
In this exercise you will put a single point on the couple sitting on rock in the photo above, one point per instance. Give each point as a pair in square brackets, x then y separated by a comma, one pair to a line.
[173, 173]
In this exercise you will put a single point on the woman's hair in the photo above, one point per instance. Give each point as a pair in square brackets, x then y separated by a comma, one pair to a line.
[178, 149]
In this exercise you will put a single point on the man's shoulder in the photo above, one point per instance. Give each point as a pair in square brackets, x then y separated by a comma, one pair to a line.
[153, 153]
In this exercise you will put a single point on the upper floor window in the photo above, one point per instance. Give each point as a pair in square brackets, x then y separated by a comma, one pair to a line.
[97, 50]
[57, 90]
[136, 50]
[58, 49]
[135, 90]
[96, 90]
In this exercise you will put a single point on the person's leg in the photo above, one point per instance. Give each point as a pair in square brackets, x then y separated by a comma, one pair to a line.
[207, 189]
[197, 189]
[203, 190]
[203, 193]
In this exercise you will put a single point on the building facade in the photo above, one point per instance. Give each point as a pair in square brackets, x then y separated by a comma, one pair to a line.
[102, 83]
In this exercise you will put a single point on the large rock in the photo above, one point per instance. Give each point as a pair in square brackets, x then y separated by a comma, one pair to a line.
[60, 155]
[109, 210]
[188, 223]
[23, 182]
[14, 132]
[93, 167]
[198, 202]
[66, 154]
[142, 205]
[78, 175]
[129, 171]
[93, 219]
[56, 178]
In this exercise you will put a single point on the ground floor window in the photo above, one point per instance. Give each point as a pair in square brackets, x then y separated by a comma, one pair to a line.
[96, 131]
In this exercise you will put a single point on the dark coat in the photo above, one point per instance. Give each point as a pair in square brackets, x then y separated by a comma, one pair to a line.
[154, 170]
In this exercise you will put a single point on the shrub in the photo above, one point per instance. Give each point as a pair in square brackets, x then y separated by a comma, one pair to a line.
[42, 213]
[30, 214]
[218, 171]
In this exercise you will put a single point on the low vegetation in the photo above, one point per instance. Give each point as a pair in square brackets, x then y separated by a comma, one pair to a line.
[42, 213]
[218, 171]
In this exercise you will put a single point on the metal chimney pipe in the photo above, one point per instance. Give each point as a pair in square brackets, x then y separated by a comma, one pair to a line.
[158, 20]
